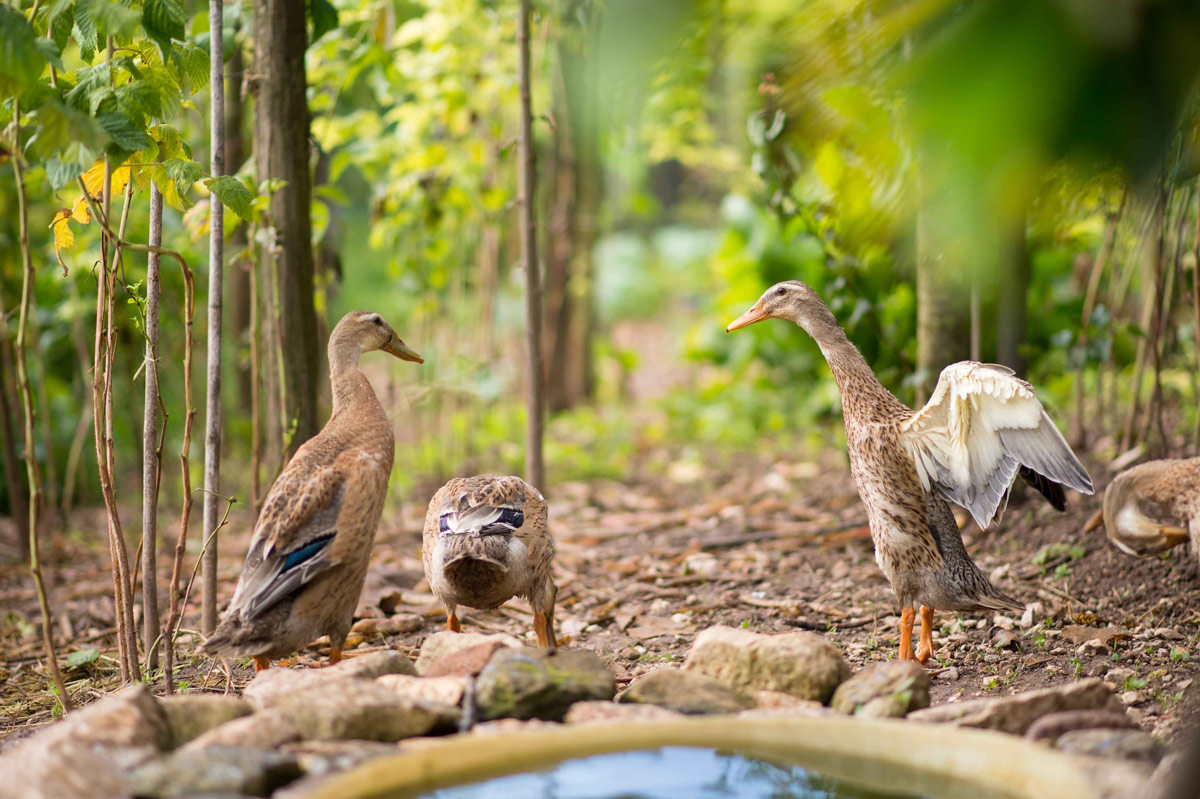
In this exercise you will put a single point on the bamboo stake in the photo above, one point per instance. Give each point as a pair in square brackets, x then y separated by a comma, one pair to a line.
[1196, 304]
[216, 257]
[31, 471]
[527, 185]
[151, 453]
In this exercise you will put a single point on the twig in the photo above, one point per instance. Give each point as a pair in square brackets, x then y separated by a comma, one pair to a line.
[31, 471]
[151, 450]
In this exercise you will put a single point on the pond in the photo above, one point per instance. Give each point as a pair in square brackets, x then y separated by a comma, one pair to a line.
[673, 772]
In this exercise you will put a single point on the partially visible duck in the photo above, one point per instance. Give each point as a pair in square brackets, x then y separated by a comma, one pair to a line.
[486, 541]
[1153, 507]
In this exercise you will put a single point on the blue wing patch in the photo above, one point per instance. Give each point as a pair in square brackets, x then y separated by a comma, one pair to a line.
[306, 552]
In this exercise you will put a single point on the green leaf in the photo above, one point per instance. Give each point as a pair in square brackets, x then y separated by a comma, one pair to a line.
[61, 24]
[191, 64]
[85, 32]
[324, 18]
[232, 194]
[21, 61]
[123, 131]
[82, 657]
[63, 129]
[111, 18]
[61, 173]
[184, 173]
[164, 20]
[169, 141]
[51, 52]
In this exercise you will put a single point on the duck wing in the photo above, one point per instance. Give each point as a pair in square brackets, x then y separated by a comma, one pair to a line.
[291, 543]
[982, 426]
[483, 505]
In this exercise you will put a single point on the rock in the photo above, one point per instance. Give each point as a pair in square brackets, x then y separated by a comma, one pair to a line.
[949, 675]
[596, 712]
[885, 690]
[465, 662]
[327, 757]
[441, 644]
[1118, 676]
[1055, 724]
[687, 692]
[130, 717]
[536, 684]
[1015, 714]
[772, 700]
[1115, 779]
[438, 690]
[360, 709]
[393, 625]
[1091, 648]
[266, 729]
[802, 664]
[189, 716]
[803, 708]
[1119, 744]
[276, 682]
[59, 767]
[214, 769]
[513, 726]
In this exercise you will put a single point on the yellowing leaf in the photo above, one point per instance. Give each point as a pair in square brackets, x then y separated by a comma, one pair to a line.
[93, 179]
[64, 238]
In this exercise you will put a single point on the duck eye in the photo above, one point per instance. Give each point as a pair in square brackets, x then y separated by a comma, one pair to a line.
[377, 319]
[779, 292]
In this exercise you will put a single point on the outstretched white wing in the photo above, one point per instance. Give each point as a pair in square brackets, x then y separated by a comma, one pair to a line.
[980, 426]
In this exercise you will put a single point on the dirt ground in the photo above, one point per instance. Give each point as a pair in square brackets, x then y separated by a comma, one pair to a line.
[769, 544]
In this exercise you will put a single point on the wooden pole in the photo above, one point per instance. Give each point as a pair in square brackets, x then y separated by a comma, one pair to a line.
[151, 454]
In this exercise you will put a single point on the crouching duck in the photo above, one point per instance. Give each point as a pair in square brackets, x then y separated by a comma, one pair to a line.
[1153, 507]
[308, 556]
[486, 541]
[982, 427]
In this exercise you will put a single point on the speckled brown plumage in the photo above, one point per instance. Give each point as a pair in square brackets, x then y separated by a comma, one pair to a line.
[966, 445]
[486, 541]
[309, 553]
[1154, 506]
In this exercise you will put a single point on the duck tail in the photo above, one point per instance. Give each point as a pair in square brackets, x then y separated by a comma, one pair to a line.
[224, 639]
[993, 599]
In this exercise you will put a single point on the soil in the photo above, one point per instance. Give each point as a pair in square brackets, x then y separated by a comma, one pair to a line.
[770, 544]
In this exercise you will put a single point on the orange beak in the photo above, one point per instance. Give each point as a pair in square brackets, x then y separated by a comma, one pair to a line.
[395, 346]
[756, 314]
[1094, 522]
[1174, 536]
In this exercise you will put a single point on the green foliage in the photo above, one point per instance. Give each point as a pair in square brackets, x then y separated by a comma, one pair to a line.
[230, 191]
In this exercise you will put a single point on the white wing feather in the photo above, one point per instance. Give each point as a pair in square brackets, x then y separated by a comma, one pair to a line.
[980, 426]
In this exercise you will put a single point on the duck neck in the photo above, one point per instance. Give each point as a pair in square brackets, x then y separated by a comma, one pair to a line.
[854, 377]
[345, 379]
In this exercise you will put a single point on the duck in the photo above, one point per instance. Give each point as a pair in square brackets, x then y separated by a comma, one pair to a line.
[309, 551]
[1152, 507]
[486, 541]
[982, 427]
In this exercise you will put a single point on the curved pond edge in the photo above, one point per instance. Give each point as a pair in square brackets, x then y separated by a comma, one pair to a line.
[884, 755]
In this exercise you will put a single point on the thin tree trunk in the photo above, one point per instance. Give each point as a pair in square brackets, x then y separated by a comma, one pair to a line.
[17, 501]
[1196, 307]
[281, 123]
[151, 454]
[31, 471]
[216, 258]
[1012, 300]
[943, 318]
[241, 264]
[1089, 307]
[534, 467]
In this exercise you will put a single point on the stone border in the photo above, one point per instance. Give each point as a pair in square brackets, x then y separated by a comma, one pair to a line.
[880, 754]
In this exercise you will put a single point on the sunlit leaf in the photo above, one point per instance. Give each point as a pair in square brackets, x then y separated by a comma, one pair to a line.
[21, 60]
[123, 131]
[324, 18]
[232, 194]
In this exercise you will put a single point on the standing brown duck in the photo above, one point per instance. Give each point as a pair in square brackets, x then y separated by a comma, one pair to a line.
[485, 542]
[308, 556]
[1152, 507]
[981, 428]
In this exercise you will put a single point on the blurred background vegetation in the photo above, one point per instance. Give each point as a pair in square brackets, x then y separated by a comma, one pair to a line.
[1013, 180]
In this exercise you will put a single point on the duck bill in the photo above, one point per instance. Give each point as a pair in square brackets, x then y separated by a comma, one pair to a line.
[402, 351]
[1094, 522]
[1174, 536]
[756, 314]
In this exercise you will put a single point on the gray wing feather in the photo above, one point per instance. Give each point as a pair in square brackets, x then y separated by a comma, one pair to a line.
[1044, 450]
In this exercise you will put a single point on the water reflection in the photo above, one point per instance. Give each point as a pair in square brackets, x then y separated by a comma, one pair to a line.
[667, 773]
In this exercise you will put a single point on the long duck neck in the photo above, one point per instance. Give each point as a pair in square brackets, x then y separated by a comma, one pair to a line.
[856, 381]
[346, 380]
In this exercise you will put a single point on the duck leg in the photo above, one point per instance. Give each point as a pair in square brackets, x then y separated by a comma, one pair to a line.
[452, 623]
[261, 664]
[926, 649]
[543, 625]
[335, 655]
[906, 627]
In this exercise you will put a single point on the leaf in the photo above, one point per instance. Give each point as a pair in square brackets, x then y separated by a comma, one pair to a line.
[123, 132]
[82, 657]
[324, 18]
[64, 238]
[61, 24]
[183, 172]
[192, 67]
[164, 20]
[21, 61]
[111, 18]
[85, 32]
[232, 194]
[60, 173]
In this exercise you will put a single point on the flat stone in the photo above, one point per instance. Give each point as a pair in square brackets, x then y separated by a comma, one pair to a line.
[438, 690]
[130, 717]
[1116, 779]
[802, 664]
[215, 769]
[1015, 714]
[1119, 744]
[687, 692]
[443, 643]
[328, 757]
[392, 625]
[1053, 725]
[467, 662]
[266, 729]
[597, 712]
[538, 684]
[189, 716]
[884, 690]
[278, 682]
[360, 709]
[61, 768]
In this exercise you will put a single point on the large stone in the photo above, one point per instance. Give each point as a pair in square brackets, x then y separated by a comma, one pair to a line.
[802, 664]
[266, 729]
[214, 770]
[189, 716]
[687, 692]
[1118, 744]
[130, 717]
[537, 684]
[884, 690]
[280, 682]
[360, 709]
[467, 662]
[596, 712]
[443, 643]
[62, 768]
[438, 690]
[1014, 714]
